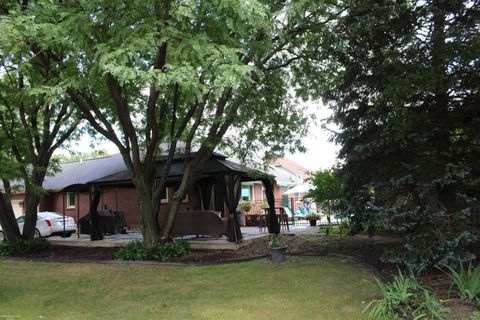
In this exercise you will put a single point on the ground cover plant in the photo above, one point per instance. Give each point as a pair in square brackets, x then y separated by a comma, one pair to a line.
[405, 298]
[138, 250]
[24, 246]
[302, 288]
[465, 282]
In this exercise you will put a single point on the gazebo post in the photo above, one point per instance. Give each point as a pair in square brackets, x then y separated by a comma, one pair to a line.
[232, 187]
[95, 194]
[78, 213]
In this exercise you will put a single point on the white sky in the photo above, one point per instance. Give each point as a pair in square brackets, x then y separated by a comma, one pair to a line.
[320, 154]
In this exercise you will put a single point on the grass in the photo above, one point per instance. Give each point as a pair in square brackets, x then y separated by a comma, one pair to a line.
[303, 288]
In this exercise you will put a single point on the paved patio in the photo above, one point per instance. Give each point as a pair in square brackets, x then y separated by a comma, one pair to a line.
[118, 240]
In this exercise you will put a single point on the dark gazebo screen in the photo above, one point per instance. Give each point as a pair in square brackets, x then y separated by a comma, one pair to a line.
[233, 189]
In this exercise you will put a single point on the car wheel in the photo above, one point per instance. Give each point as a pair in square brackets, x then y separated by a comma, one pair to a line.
[37, 234]
[68, 234]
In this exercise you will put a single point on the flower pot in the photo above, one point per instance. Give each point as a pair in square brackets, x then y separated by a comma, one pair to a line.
[313, 223]
[279, 254]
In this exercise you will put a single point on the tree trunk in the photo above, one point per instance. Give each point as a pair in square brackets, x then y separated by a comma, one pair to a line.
[179, 194]
[7, 219]
[190, 174]
[32, 199]
[148, 214]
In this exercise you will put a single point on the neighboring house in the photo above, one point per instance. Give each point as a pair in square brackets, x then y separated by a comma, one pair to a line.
[288, 174]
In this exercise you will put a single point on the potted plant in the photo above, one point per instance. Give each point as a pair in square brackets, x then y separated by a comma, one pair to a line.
[312, 217]
[246, 206]
[264, 205]
[278, 249]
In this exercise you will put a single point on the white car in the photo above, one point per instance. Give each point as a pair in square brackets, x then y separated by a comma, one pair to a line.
[49, 223]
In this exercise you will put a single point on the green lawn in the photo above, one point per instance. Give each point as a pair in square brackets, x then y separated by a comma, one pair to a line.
[304, 288]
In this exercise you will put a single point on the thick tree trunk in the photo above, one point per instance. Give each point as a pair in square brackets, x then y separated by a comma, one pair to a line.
[148, 214]
[32, 200]
[7, 219]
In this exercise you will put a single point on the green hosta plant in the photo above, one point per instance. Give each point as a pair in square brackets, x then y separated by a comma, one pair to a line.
[138, 251]
[465, 282]
[404, 298]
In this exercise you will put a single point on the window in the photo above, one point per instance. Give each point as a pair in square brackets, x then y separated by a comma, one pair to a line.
[164, 196]
[70, 200]
[247, 193]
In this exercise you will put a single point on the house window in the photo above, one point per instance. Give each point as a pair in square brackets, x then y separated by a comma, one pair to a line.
[70, 200]
[247, 193]
[164, 196]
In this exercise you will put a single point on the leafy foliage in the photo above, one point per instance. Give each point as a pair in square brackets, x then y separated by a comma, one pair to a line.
[466, 281]
[405, 96]
[24, 246]
[137, 251]
[404, 298]
[328, 190]
[153, 75]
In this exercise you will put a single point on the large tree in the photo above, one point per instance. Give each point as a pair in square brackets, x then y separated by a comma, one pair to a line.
[147, 73]
[406, 97]
[36, 117]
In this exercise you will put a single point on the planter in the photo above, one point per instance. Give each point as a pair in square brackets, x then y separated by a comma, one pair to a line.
[313, 223]
[279, 254]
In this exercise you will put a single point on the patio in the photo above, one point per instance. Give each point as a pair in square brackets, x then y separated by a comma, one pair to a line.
[221, 243]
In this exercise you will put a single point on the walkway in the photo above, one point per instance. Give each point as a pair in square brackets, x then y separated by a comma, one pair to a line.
[221, 243]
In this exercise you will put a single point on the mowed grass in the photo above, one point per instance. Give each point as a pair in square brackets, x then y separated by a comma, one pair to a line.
[303, 288]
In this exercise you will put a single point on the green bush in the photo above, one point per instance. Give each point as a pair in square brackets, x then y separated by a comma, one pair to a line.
[329, 230]
[24, 246]
[344, 228]
[466, 282]
[137, 251]
[405, 298]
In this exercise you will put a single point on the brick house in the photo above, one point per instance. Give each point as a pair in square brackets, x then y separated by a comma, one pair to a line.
[68, 191]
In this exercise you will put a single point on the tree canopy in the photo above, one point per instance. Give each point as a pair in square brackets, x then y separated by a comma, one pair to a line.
[149, 74]
[406, 96]
[36, 117]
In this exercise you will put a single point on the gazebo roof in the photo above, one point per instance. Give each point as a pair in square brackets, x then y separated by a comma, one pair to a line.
[215, 166]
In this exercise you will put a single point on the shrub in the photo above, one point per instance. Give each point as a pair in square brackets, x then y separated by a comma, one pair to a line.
[405, 298]
[344, 228]
[466, 282]
[329, 230]
[24, 246]
[137, 251]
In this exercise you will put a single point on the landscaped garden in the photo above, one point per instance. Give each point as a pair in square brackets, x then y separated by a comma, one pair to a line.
[303, 288]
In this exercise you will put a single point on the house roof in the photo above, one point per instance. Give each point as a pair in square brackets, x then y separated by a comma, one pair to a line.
[297, 169]
[83, 171]
[284, 177]
[76, 175]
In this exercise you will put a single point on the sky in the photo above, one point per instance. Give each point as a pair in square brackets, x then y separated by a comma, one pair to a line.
[320, 154]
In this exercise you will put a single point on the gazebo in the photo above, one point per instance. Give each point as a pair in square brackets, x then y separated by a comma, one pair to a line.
[219, 188]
